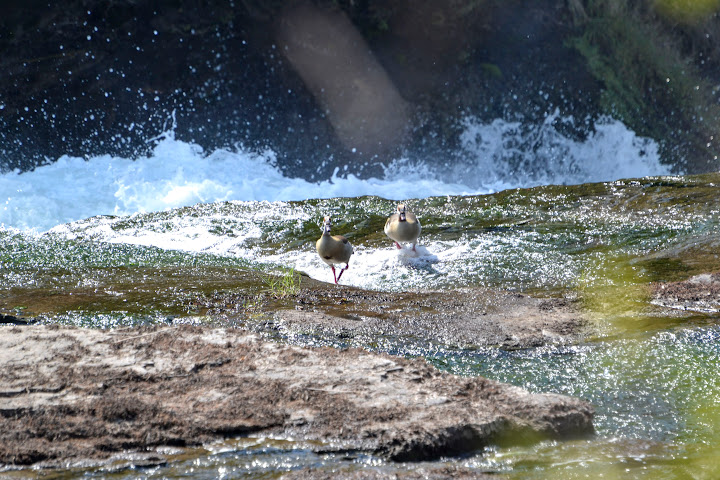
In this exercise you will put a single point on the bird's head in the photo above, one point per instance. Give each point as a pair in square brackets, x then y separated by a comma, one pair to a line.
[401, 211]
[327, 223]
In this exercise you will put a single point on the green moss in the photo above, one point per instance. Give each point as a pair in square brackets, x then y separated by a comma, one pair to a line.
[286, 284]
[491, 70]
[653, 229]
[687, 11]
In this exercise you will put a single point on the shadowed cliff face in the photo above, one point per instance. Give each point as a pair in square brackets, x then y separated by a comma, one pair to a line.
[89, 77]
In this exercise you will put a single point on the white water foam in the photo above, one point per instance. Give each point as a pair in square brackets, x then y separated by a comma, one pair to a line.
[468, 260]
[522, 155]
[494, 157]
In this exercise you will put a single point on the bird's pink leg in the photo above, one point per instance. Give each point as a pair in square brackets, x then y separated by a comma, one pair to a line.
[334, 276]
[414, 248]
[398, 245]
[347, 265]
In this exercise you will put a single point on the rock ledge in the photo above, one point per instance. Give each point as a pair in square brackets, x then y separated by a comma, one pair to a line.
[69, 394]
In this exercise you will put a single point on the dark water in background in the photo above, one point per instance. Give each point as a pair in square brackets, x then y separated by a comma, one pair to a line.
[89, 79]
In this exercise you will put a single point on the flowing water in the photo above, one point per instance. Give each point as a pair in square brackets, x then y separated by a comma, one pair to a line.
[107, 242]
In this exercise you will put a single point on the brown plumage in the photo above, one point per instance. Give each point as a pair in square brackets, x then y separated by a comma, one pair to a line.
[333, 249]
[403, 226]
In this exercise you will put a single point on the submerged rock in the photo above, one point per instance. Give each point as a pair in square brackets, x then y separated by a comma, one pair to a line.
[465, 318]
[13, 320]
[69, 394]
[420, 472]
[700, 293]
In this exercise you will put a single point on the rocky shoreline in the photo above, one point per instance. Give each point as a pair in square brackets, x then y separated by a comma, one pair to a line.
[69, 394]
[73, 396]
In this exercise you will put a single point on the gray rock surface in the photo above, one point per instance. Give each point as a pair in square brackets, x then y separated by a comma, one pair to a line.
[70, 393]
[700, 293]
[464, 318]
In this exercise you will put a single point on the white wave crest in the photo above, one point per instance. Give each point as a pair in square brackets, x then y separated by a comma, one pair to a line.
[494, 156]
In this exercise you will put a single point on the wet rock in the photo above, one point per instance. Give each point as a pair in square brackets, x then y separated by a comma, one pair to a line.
[72, 394]
[429, 472]
[464, 317]
[13, 320]
[700, 293]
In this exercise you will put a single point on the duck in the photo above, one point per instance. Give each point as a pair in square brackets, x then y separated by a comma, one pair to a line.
[403, 226]
[333, 249]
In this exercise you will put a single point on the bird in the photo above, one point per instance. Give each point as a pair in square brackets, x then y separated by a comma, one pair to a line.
[333, 249]
[403, 226]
